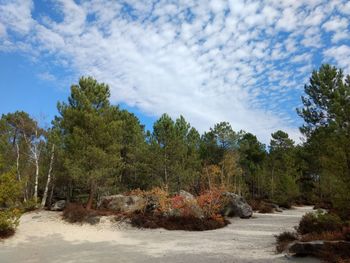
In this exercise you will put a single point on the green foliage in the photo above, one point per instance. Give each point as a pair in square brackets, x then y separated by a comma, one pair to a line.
[326, 112]
[282, 169]
[9, 220]
[252, 159]
[29, 205]
[91, 134]
[10, 189]
[176, 144]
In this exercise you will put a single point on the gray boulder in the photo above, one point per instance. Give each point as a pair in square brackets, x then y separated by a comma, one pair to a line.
[236, 205]
[59, 205]
[123, 203]
[186, 195]
[311, 248]
[193, 209]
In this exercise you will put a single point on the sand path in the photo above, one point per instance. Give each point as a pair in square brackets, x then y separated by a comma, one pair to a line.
[44, 237]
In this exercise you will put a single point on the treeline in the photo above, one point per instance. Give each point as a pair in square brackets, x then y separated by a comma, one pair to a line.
[94, 148]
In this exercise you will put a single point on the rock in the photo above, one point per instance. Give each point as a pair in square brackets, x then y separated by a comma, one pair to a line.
[59, 205]
[316, 248]
[279, 210]
[236, 205]
[152, 203]
[311, 248]
[123, 203]
[275, 207]
[192, 207]
[186, 195]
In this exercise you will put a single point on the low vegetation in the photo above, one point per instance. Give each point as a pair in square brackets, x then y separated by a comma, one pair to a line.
[284, 239]
[162, 210]
[319, 222]
[188, 223]
[320, 226]
[9, 220]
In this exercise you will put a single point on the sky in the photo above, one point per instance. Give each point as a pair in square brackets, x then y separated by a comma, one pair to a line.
[241, 61]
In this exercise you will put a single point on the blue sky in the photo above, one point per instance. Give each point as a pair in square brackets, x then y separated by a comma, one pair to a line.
[240, 61]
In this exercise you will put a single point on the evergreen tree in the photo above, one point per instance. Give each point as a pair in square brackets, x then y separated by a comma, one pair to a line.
[91, 134]
[283, 169]
[326, 112]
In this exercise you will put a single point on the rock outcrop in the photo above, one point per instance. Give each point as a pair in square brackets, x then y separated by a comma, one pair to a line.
[122, 203]
[193, 208]
[236, 205]
[59, 205]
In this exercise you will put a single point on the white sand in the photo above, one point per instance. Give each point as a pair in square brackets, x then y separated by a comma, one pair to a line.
[44, 237]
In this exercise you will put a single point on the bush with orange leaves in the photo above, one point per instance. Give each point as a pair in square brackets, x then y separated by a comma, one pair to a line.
[212, 202]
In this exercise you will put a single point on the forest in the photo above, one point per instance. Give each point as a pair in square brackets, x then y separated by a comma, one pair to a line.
[93, 149]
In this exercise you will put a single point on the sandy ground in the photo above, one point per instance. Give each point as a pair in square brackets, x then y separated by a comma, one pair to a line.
[44, 237]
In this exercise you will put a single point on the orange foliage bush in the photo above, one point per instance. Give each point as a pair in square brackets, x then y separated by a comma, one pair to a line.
[211, 202]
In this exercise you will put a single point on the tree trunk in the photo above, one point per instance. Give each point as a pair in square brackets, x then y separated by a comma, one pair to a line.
[17, 162]
[91, 196]
[272, 180]
[36, 176]
[43, 201]
[166, 171]
[51, 193]
[208, 176]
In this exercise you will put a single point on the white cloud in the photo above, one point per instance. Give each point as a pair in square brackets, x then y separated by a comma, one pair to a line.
[2, 31]
[335, 23]
[339, 54]
[210, 61]
[16, 15]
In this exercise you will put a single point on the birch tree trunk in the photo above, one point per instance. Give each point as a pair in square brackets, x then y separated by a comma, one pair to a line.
[17, 163]
[43, 201]
[36, 160]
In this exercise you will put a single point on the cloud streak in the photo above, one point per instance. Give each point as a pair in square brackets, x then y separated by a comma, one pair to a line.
[240, 61]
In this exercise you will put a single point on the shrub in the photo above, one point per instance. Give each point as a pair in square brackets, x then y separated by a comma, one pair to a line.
[319, 222]
[328, 236]
[346, 233]
[323, 205]
[255, 204]
[9, 220]
[265, 208]
[211, 202]
[29, 205]
[76, 213]
[284, 239]
[10, 189]
[335, 252]
[188, 223]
